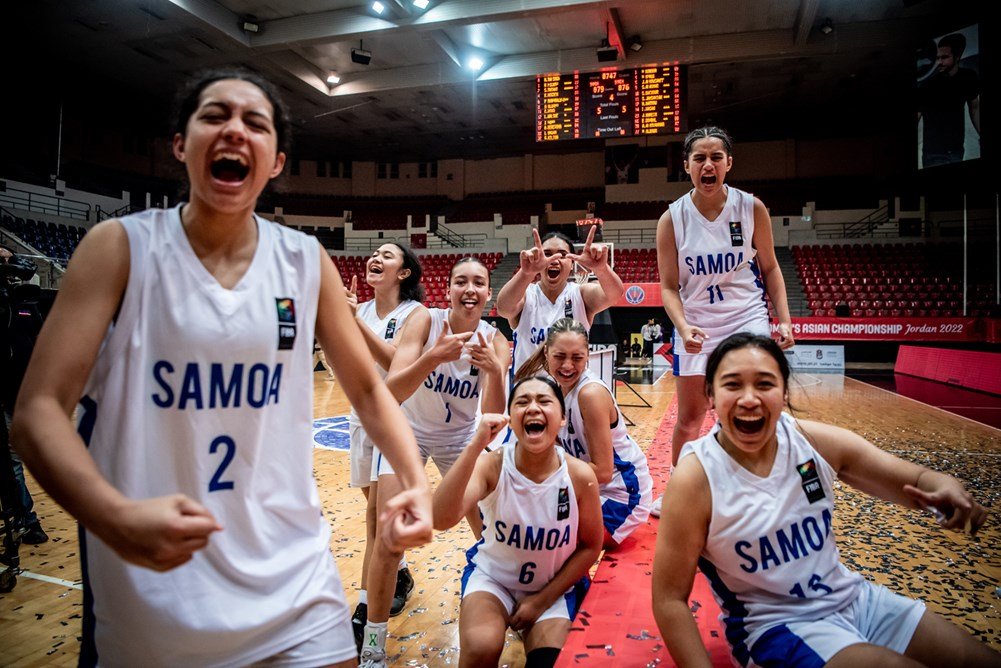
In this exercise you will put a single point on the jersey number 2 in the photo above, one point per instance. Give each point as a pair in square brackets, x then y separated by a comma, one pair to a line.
[217, 483]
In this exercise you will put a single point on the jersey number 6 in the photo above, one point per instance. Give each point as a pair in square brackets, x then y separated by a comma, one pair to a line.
[527, 573]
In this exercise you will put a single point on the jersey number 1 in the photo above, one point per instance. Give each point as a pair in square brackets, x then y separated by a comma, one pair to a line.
[217, 483]
[715, 294]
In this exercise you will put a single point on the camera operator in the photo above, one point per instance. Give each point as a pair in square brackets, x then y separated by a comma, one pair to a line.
[20, 322]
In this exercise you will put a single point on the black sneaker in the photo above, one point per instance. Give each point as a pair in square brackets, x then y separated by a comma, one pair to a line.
[358, 621]
[404, 586]
[34, 535]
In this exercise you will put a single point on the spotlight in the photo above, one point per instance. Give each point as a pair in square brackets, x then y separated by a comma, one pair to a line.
[607, 53]
[333, 78]
[474, 63]
[828, 27]
[634, 43]
[360, 55]
[250, 24]
[378, 7]
[421, 4]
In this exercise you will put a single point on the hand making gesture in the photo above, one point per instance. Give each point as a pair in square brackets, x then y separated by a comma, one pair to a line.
[534, 260]
[449, 346]
[483, 356]
[592, 256]
[351, 294]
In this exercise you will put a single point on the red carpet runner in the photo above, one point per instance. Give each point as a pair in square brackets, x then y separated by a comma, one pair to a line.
[615, 626]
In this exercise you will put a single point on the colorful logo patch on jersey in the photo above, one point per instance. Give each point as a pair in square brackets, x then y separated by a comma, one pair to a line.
[332, 433]
[812, 487]
[736, 234]
[563, 504]
[568, 308]
[635, 295]
[390, 329]
[286, 322]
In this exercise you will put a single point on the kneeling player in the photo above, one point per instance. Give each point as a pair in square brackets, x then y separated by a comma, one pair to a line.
[541, 530]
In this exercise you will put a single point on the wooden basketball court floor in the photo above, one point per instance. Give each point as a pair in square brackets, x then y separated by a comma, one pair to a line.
[957, 576]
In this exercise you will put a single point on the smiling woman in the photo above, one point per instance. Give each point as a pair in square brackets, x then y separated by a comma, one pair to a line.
[450, 366]
[751, 505]
[186, 336]
[529, 569]
[595, 430]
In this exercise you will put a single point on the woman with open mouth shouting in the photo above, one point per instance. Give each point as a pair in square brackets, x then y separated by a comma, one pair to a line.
[751, 505]
[717, 260]
[449, 366]
[541, 530]
[595, 430]
[394, 273]
[186, 336]
[531, 307]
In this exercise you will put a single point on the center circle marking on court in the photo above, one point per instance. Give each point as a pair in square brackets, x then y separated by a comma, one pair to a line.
[332, 433]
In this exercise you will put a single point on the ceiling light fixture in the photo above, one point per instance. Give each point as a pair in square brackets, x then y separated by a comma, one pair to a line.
[333, 78]
[250, 24]
[634, 43]
[606, 52]
[378, 7]
[827, 27]
[360, 55]
[421, 4]
[475, 63]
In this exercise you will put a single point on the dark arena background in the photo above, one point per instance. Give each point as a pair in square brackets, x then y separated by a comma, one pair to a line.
[459, 127]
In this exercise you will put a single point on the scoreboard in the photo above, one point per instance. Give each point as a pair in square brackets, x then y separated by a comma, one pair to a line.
[612, 102]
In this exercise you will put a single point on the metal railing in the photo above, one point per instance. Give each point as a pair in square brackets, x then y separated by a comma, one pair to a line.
[123, 210]
[36, 202]
[868, 226]
[474, 240]
[451, 237]
[644, 237]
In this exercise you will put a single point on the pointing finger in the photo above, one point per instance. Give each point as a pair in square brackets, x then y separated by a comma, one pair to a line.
[354, 284]
[538, 239]
[590, 238]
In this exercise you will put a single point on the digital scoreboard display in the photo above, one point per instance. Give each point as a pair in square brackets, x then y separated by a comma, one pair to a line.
[610, 103]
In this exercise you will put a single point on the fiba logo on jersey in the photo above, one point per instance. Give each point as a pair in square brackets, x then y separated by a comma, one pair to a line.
[563, 504]
[635, 295]
[286, 322]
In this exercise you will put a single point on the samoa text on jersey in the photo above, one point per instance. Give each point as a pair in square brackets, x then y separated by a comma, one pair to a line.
[445, 384]
[529, 537]
[791, 545]
[713, 263]
[216, 386]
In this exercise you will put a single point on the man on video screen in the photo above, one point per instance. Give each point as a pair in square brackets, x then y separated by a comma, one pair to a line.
[944, 98]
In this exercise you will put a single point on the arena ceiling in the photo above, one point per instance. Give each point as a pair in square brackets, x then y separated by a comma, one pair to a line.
[761, 67]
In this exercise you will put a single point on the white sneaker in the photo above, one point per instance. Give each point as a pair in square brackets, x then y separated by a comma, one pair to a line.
[373, 657]
[655, 509]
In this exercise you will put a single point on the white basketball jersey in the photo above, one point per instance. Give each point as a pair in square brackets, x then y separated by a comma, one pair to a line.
[209, 392]
[387, 328]
[445, 407]
[770, 555]
[539, 313]
[631, 483]
[530, 529]
[720, 282]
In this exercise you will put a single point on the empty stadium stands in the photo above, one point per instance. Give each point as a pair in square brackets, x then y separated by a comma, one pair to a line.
[887, 280]
[54, 240]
